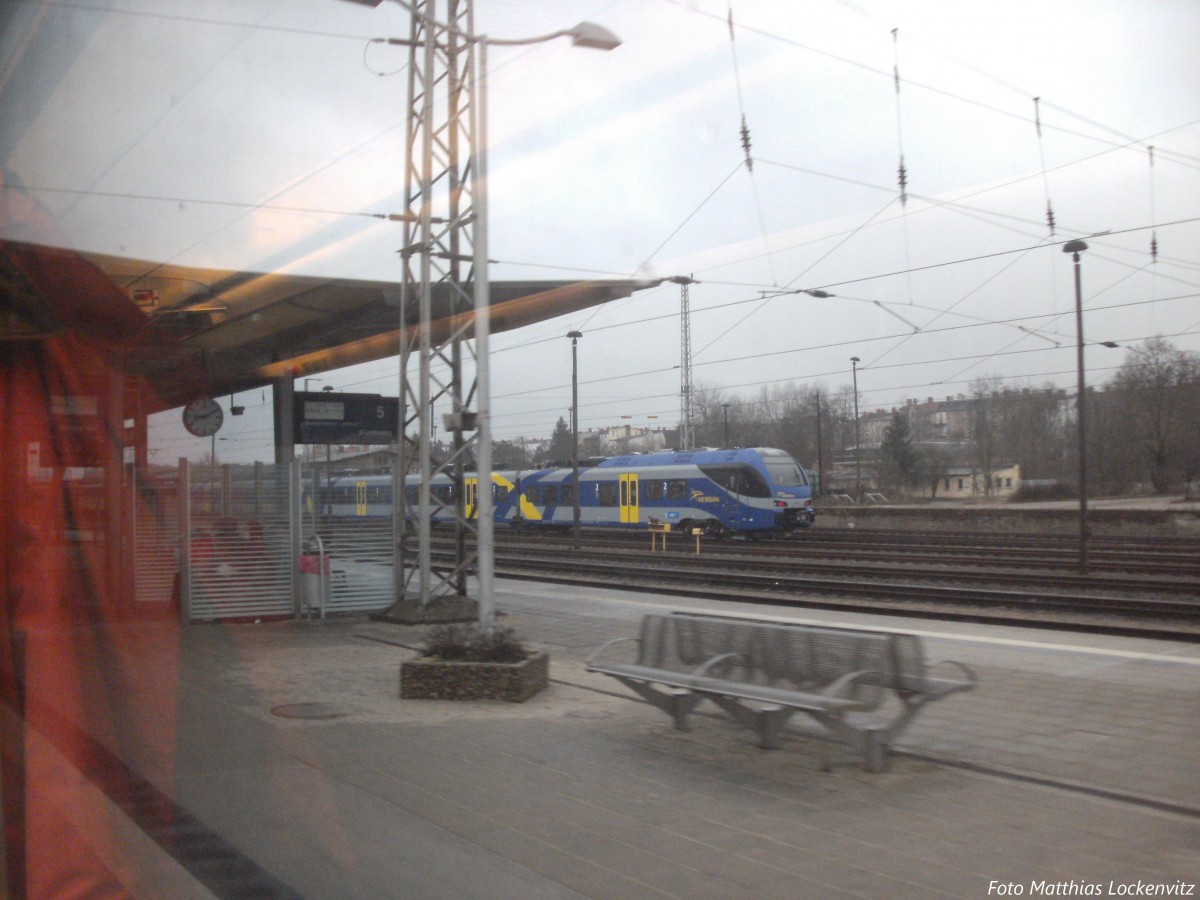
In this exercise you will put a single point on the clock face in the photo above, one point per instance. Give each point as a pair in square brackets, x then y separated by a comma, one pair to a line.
[203, 417]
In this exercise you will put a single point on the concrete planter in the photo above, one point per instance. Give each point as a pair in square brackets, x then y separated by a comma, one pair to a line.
[426, 678]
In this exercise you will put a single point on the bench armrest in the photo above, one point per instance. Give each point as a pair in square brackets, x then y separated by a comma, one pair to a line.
[595, 654]
[702, 670]
[837, 688]
[947, 686]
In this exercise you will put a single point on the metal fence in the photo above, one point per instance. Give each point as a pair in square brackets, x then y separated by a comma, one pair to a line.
[241, 542]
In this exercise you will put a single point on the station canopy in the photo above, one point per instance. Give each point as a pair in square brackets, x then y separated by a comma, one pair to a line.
[200, 331]
[245, 329]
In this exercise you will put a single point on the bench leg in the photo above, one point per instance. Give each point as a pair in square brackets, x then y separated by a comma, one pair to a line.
[682, 702]
[871, 742]
[874, 750]
[678, 703]
[769, 722]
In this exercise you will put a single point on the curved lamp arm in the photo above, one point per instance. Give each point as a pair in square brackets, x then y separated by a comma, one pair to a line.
[585, 34]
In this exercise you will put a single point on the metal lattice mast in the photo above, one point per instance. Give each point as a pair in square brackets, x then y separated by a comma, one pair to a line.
[439, 269]
[687, 436]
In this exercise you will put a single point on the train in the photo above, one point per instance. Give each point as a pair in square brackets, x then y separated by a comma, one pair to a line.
[751, 492]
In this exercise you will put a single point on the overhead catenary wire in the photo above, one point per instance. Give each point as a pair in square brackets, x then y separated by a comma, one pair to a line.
[809, 376]
[768, 299]
[1153, 216]
[1037, 121]
[744, 131]
[902, 171]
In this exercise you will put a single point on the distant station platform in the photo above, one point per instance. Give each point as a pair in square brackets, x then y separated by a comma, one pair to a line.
[1170, 516]
[1077, 759]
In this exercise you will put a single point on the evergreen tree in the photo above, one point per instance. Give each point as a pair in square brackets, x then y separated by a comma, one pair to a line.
[899, 465]
[562, 445]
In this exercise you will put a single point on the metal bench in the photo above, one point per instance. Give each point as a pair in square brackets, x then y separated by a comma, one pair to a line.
[762, 673]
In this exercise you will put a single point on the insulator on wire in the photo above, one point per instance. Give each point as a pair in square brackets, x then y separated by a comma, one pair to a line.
[1153, 235]
[903, 172]
[746, 145]
[1050, 217]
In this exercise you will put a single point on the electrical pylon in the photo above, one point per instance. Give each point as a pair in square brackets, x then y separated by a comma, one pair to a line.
[440, 267]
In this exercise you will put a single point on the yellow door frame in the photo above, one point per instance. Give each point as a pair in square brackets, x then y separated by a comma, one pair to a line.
[629, 499]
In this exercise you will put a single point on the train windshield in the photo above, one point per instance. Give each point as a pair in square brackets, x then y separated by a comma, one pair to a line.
[784, 471]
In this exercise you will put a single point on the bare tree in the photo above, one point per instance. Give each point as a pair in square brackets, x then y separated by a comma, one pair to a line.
[985, 416]
[1158, 387]
[708, 408]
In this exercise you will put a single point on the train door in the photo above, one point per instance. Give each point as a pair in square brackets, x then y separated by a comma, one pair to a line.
[471, 486]
[629, 499]
[360, 498]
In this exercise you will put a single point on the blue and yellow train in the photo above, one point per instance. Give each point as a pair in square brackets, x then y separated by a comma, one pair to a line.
[754, 492]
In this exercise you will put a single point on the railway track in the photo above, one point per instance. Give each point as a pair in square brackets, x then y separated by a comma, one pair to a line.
[1167, 559]
[1131, 598]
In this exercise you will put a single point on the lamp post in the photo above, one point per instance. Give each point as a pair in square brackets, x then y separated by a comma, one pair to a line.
[1075, 248]
[725, 413]
[575, 336]
[854, 361]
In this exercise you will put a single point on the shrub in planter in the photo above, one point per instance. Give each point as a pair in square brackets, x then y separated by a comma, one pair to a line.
[470, 643]
[462, 662]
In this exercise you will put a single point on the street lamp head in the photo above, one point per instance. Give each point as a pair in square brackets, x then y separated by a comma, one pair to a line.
[589, 34]
[855, 360]
[574, 335]
[1074, 247]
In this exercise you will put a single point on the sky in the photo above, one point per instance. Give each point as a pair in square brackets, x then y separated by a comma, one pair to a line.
[255, 134]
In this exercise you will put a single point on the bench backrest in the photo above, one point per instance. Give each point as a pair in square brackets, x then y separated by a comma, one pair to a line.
[795, 656]
[907, 665]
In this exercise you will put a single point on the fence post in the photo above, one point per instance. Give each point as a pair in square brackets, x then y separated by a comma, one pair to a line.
[295, 533]
[184, 488]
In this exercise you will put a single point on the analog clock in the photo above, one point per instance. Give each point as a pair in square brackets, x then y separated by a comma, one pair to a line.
[203, 417]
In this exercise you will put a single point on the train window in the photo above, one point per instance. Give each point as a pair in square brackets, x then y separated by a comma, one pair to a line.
[377, 494]
[739, 479]
[608, 494]
[652, 490]
[677, 489]
[550, 495]
[568, 494]
[531, 494]
[500, 493]
[783, 470]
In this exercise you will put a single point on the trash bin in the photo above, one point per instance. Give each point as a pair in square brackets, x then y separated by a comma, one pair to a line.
[310, 580]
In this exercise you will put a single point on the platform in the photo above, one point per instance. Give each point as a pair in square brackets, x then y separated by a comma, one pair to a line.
[1076, 761]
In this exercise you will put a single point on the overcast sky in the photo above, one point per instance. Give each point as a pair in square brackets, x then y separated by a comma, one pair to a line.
[248, 134]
